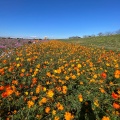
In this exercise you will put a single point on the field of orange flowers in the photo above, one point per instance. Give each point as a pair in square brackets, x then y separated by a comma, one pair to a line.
[51, 81]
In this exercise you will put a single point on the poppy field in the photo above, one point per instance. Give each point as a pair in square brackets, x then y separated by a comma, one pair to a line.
[51, 80]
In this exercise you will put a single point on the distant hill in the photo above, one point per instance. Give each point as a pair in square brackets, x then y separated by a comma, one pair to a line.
[109, 42]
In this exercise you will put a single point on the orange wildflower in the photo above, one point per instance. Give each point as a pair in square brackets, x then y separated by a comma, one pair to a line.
[38, 88]
[66, 78]
[1, 70]
[9, 92]
[81, 83]
[58, 89]
[17, 93]
[38, 66]
[68, 116]
[30, 103]
[4, 61]
[104, 75]
[80, 97]
[115, 96]
[34, 80]
[34, 98]
[73, 77]
[50, 93]
[59, 106]
[44, 100]
[48, 74]
[31, 70]
[116, 105]
[102, 90]
[1, 88]
[11, 69]
[15, 82]
[56, 118]
[21, 74]
[105, 118]
[4, 95]
[64, 89]
[47, 109]
[117, 74]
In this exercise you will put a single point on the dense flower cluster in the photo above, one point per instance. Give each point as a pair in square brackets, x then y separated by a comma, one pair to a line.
[48, 79]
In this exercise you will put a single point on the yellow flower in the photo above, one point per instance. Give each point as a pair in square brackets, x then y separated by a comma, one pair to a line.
[95, 76]
[105, 118]
[59, 71]
[78, 74]
[118, 91]
[53, 112]
[56, 118]
[81, 83]
[68, 116]
[69, 69]
[23, 70]
[38, 66]
[28, 59]
[72, 65]
[107, 64]
[26, 93]
[80, 97]
[92, 81]
[50, 93]
[79, 65]
[55, 71]
[18, 65]
[96, 103]
[44, 89]
[17, 58]
[36, 70]
[30, 103]
[31, 93]
[38, 116]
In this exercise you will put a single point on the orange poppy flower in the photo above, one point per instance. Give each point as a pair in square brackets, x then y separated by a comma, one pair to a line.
[115, 96]
[116, 105]
[47, 109]
[34, 80]
[1, 88]
[104, 75]
[22, 74]
[4, 94]
[15, 82]
[105, 118]
[4, 61]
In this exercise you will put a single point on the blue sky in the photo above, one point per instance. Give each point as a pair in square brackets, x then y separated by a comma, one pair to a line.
[58, 18]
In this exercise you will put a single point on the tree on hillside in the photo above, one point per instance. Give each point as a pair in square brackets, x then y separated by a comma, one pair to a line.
[108, 33]
[100, 34]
